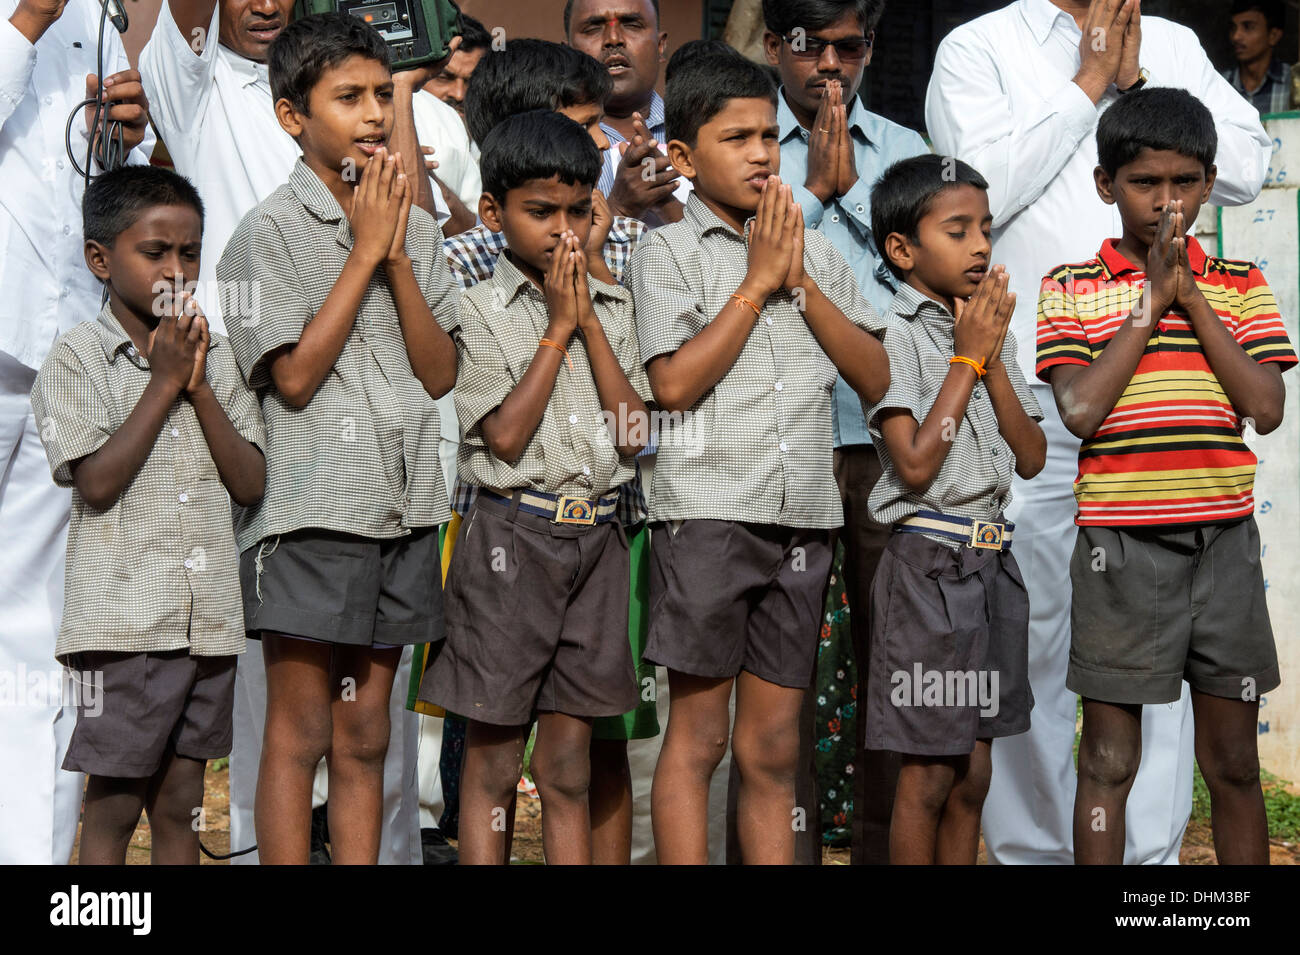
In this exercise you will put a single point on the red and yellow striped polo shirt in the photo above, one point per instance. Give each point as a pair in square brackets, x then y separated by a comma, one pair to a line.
[1170, 451]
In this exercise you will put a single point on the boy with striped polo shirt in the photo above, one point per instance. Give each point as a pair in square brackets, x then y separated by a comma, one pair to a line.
[1159, 356]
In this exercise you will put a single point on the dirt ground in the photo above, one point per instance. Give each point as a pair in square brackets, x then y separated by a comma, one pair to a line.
[1198, 846]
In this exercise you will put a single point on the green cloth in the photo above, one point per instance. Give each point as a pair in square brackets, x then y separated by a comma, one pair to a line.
[642, 722]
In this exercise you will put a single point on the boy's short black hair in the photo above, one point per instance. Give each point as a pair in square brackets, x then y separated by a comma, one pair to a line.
[473, 35]
[782, 16]
[115, 200]
[691, 50]
[531, 74]
[1155, 118]
[568, 13]
[703, 85]
[309, 46]
[539, 144]
[901, 197]
[1274, 12]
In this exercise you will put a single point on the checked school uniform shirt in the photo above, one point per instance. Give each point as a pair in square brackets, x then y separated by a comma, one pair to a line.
[755, 447]
[473, 255]
[158, 569]
[502, 323]
[975, 478]
[1170, 452]
[362, 457]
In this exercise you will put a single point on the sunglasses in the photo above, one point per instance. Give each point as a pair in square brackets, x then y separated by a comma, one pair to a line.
[811, 47]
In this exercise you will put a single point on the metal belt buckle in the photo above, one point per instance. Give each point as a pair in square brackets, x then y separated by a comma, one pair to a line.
[574, 510]
[987, 535]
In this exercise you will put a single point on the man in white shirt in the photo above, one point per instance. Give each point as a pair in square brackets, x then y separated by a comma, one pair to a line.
[205, 71]
[1017, 94]
[47, 48]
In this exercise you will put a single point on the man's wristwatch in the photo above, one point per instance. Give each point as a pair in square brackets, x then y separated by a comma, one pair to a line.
[1143, 76]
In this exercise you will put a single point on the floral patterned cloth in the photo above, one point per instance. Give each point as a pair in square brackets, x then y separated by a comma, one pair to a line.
[837, 709]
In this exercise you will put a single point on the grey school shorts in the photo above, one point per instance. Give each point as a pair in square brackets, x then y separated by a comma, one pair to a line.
[536, 620]
[340, 588]
[727, 596]
[131, 705]
[1155, 606]
[949, 648]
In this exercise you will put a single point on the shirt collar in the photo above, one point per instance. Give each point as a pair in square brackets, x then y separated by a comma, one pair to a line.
[318, 200]
[1116, 264]
[1278, 71]
[1041, 16]
[704, 220]
[910, 304]
[247, 71]
[861, 119]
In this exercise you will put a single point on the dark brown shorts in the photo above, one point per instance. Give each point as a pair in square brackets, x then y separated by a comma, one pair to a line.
[1155, 606]
[949, 648]
[341, 588]
[727, 596]
[536, 620]
[131, 705]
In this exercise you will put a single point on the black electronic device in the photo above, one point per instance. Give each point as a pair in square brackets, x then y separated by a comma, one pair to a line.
[417, 31]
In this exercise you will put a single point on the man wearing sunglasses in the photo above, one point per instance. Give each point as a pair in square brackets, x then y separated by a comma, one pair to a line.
[832, 151]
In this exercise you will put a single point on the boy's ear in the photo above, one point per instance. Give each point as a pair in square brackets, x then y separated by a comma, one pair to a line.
[1105, 185]
[682, 158]
[1211, 176]
[290, 119]
[899, 251]
[97, 259]
[489, 210]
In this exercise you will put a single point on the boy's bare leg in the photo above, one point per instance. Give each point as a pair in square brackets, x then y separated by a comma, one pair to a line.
[109, 817]
[494, 758]
[765, 746]
[699, 723]
[610, 799]
[297, 735]
[958, 840]
[173, 802]
[1109, 752]
[1227, 752]
[361, 679]
[925, 784]
[561, 767]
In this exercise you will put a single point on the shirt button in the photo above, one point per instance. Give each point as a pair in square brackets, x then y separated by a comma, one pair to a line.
[573, 419]
[182, 497]
[835, 217]
[176, 432]
[67, 230]
[783, 446]
[189, 564]
[780, 385]
[861, 208]
[59, 163]
[768, 319]
[130, 349]
[586, 471]
[49, 100]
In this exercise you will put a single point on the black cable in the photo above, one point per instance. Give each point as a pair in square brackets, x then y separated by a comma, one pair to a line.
[229, 855]
[106, 142]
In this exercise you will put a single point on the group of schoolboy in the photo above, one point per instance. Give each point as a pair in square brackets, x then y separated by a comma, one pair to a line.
[579, 340]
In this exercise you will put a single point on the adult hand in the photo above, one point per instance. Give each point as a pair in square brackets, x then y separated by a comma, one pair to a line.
[644, 177]
[32, 18]
[1101, 47]
[126, 103]
[601, 222]
[1130, 61]
[824, 147]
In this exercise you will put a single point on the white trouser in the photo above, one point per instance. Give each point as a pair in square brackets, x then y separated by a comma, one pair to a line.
[431, 798]
[1028, 815]
[39, 802]
[642, 756]
[400, 838]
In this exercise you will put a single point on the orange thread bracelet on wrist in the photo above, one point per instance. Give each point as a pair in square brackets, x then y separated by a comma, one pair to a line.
[737, 297]
[559, 348]
[979, 369]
